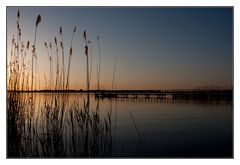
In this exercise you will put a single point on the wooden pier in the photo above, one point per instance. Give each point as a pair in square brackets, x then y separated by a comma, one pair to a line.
[174, 94]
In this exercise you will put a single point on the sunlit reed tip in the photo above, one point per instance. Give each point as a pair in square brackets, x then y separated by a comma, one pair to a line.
[38, 20]
[28, 45]
[70, 51]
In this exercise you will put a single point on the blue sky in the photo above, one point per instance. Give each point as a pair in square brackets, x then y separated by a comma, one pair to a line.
[155, 48]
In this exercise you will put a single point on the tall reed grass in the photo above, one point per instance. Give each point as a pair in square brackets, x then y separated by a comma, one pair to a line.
[23, 64]
[86, 53]
[36, 130]
[69, 60]
[50, 68]
[57, 64]
[58, 127]
[34, 55]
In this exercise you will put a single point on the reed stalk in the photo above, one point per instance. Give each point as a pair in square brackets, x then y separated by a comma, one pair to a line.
[57, 65]
[69, 61]
[49, 57]
[91, 55]
[51, 66]
[86, 53]
[34, 45]
[19, 48]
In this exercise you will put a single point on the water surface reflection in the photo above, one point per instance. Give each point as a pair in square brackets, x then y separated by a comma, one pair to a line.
[77, 125]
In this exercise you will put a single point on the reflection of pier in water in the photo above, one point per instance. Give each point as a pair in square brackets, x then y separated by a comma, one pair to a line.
[167, 100]
[141, 99]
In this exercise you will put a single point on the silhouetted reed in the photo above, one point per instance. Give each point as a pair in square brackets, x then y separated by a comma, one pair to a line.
[57, 128]
[26, 72]
[63, 67]
[69, 61]
[51, 66]
[50, 71]
[18, 64]
[90, 74]
[86, 53]
[34, 55]
[57, 65]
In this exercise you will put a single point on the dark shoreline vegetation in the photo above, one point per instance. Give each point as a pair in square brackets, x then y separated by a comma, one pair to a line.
[61, 127]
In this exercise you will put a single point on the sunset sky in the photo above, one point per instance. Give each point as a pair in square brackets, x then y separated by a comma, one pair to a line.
[154, 48]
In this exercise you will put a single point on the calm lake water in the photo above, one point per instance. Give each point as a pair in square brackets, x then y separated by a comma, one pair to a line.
[73, 125]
